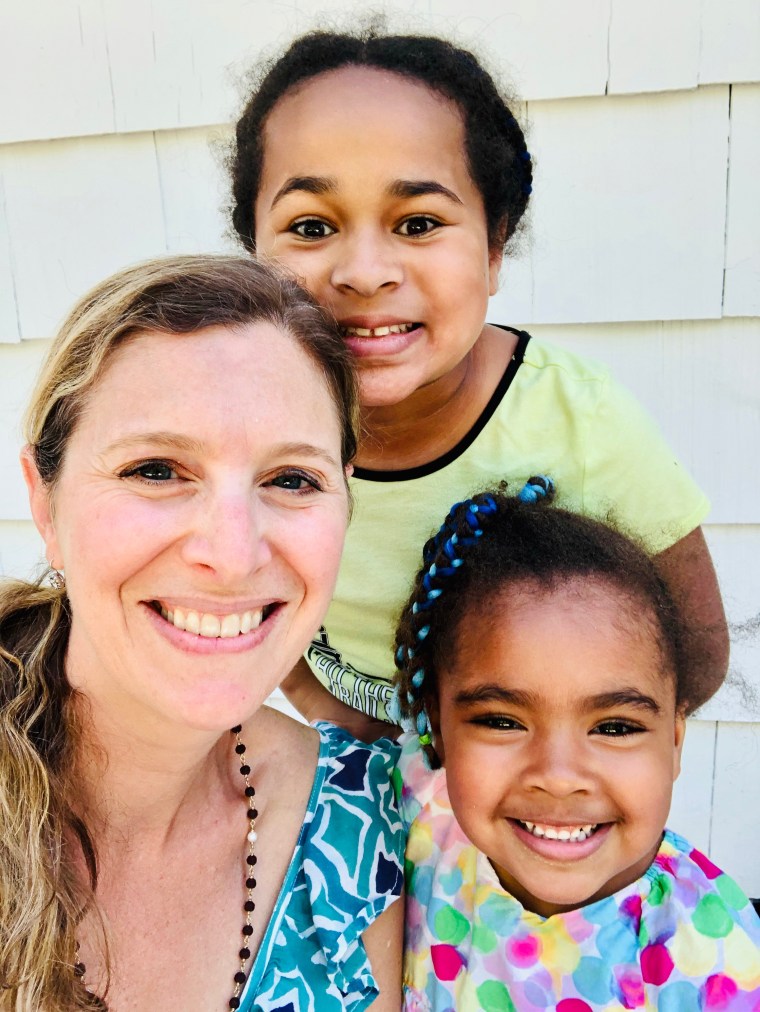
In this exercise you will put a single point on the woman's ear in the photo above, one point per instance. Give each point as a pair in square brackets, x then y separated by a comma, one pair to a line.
[41, 506]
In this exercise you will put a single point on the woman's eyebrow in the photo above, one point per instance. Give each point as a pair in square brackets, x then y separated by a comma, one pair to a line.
[405, 188]
[317, 185]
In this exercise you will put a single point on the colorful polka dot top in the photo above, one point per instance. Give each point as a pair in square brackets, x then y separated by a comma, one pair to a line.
[682, 938]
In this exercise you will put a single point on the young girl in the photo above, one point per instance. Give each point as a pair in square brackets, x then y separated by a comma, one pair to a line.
[541, 659]
[389, 175]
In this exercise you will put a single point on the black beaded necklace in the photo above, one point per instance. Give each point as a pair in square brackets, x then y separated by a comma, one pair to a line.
[250, 882]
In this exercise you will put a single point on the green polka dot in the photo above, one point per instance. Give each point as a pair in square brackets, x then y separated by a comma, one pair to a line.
[731, 893]
[661, 889]
[483, 939]
[711, 917]
[494, 997]
[450, 925]
[398, 783]
[409, 870]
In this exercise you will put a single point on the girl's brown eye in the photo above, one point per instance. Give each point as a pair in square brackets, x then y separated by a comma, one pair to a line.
[312, 228]
[420, 224]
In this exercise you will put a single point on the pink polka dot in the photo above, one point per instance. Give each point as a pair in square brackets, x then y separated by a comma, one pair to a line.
[573, 1005]
[719, 990]
[668, 864]
[656, 964]
[631, 990]
[523, 951]
[631, 907]
[447, 961]
[705, 864]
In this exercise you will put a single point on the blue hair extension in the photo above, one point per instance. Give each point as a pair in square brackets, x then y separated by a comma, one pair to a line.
[535, 488]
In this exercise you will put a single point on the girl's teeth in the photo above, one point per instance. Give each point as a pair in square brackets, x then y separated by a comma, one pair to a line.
[567, 834]
[395, 328]
[212, 626]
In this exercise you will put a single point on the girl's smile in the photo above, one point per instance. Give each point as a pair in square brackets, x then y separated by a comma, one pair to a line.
[383, 224]
[560, 701]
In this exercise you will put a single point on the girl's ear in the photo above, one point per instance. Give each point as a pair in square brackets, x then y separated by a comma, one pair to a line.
[678, 737]
[496, 258]
[41, 506]
[435, 724]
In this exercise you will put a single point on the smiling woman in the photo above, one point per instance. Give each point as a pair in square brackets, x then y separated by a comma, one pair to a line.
[188, 446]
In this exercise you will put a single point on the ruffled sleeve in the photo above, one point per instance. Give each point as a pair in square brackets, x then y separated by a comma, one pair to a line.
[353, 857]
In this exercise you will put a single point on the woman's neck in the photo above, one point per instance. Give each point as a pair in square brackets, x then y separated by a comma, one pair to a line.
[437, 416]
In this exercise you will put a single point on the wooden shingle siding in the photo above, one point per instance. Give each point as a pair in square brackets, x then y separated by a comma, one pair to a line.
[643, 251]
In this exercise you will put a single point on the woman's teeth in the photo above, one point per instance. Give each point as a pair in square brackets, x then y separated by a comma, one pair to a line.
[567, 834]
[396, 328]
[212, 626]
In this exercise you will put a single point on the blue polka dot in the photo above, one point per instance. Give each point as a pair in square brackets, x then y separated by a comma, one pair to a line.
[679, 997]
[500, 913]
[421, 884]
[602, 912]
[452, 882]
[593, 979]
[617, 943]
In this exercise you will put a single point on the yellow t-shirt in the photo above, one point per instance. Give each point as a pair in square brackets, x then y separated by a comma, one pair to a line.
[554, 413]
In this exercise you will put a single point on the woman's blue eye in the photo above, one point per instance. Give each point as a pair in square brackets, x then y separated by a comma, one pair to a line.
[419, 224]
[151, 470]
[312, 228]
[618, 728]
[294, 481]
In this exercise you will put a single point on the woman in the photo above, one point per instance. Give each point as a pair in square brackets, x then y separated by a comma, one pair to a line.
[188, 446]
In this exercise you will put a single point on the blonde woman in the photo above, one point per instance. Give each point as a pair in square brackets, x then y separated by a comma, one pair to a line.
[167, 840]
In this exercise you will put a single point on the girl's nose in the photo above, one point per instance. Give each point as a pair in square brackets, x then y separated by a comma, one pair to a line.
[366, 263]
[559, 766]
[230, 537]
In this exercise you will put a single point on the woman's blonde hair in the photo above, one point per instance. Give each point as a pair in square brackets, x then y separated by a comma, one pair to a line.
[41, 899]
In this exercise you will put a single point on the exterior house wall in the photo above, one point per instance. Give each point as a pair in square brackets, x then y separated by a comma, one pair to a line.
[644, 247]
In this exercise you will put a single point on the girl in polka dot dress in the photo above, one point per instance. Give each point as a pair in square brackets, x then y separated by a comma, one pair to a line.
[541, 661]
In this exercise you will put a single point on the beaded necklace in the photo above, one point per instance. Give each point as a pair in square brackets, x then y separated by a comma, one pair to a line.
[250, 882]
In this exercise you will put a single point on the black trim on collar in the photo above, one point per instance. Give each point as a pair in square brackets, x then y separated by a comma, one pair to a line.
[407, 474]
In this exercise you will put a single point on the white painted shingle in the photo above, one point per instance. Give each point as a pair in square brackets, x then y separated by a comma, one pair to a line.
[735, 550]
[736, 804]
[699, 380]
[54, 74]
[692, 791]
[77, 210]
[629, 214]
[730, 46]
[22, 552]
[194, 188]
[742, 291]
[654, 45]
[9, 329]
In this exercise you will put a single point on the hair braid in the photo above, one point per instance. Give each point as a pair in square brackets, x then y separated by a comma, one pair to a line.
[443, 556]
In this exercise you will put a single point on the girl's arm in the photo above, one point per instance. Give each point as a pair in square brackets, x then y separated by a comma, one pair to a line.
[383, 941]
[687, 569]
[314, 702]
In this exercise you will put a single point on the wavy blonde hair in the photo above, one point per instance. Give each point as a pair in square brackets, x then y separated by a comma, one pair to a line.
[42, 900]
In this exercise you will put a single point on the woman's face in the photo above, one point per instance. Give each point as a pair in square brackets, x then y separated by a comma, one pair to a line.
[199, 518]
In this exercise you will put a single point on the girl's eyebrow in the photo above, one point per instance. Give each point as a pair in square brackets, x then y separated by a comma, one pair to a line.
[492, 692]
[306, 184]
[402, 189]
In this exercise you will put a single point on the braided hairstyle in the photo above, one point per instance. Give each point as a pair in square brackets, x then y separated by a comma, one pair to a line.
[497, 156]
[494, 541]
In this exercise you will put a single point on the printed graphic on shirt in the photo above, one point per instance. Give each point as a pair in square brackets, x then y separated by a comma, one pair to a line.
[345, 682]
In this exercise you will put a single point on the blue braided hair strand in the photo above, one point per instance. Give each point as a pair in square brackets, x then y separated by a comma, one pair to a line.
[444, 557]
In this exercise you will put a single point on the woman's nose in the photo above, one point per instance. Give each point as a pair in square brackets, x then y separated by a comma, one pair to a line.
[230, 536]
[366, 263]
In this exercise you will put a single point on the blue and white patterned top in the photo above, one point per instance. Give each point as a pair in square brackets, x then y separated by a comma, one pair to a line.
[345, 871]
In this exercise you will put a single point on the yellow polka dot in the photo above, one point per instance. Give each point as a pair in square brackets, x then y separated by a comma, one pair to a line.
[694, 954]
[742, 962]
[420, 844]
